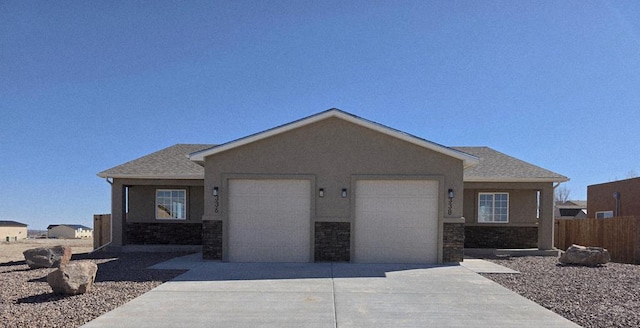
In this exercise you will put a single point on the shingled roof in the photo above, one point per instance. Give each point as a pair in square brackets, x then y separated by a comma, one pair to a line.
[6, 223]
[169, 163]
[72, 226]
[173, 163]
[495, 166]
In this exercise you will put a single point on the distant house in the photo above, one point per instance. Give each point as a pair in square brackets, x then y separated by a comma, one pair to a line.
[71, 231]
[616, 198]
[571, 209]
[12, 230]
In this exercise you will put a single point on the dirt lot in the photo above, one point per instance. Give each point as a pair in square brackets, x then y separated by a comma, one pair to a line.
[12, 251]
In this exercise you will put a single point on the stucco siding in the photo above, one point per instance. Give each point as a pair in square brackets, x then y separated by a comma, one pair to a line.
[142, 202]
[333, 151]
[63, 231]
[523, 203]
[13, 233]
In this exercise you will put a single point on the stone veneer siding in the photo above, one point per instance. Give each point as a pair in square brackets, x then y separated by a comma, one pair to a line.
[143, 233]
[453, 242]
[500, 237]
[332, 242]
[212, 240]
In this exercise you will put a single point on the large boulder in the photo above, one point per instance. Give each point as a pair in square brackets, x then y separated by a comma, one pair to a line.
[47, 257]
[588, 256]
[74, 278]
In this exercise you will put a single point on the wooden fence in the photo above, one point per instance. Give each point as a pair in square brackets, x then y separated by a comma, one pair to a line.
[101, 229]
[619, 235]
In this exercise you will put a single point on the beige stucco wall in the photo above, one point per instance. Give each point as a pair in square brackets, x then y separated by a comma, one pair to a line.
[522, 206]
[118, 201]
[333, 154]
[14, 233]
[61, 232]
[142, 202]
[332, 151]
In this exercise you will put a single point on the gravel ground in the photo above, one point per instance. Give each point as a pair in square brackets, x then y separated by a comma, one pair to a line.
[605, 296]
[26, 300]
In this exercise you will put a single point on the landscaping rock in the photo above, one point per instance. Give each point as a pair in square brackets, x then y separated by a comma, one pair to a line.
[47, 257]
[74, 278]
[588, 256]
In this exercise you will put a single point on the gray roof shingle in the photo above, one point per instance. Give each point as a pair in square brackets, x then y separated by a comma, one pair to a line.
[7, 223]
[495, 166]
[173, 163]
[169, 163]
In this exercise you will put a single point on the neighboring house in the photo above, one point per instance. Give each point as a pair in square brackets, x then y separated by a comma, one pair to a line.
[12, 231]
[331, 187]
[69, 231]
[571, 209]
[617, 198]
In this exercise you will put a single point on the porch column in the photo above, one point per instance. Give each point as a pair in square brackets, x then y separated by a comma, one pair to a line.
[545, 222]
[117, 214]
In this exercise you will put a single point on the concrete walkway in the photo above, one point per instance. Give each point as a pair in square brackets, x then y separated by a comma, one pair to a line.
[214, 294]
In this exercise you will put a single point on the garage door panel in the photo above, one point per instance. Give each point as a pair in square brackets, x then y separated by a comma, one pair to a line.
[396, 221]
[269, 220]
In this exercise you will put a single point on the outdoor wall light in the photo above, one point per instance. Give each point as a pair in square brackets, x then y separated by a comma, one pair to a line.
[450, 193]
[344, 192]
[215, 191]
[321, 192]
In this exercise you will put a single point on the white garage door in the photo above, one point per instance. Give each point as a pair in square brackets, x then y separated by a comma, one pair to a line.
[269, 220]
[396, 221]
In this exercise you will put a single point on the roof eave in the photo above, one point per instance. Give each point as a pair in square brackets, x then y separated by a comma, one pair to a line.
[154, 177]
[498, 179]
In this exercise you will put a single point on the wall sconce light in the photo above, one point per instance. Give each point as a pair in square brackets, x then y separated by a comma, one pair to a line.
[450, 193]
[321, 192]
[215, 191]
[344, 192]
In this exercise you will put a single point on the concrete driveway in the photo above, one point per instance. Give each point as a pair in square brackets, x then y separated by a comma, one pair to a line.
[213, 294]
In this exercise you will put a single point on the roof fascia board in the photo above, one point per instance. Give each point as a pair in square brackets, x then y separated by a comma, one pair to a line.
[515, 179]
[158, 177]
[467, 159]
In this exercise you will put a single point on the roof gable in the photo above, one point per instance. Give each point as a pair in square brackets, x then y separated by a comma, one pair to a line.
[168, 163]
[467, 159]
[495, 166]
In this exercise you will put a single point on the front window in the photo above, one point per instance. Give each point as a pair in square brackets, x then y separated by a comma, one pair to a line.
[604, 214]
[493, 207]
[171, 204]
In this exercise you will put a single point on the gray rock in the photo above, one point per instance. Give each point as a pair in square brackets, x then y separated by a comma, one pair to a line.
[74, 278]
[588, 256]
[47, 257]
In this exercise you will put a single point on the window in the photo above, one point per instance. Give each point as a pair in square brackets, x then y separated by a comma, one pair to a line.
[604, 214]
[493, 207]
[171, 204]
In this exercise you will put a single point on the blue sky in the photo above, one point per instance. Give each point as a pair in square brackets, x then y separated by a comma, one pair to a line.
[88, 85]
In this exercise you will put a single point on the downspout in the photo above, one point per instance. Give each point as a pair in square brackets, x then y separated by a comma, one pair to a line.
[110, 225]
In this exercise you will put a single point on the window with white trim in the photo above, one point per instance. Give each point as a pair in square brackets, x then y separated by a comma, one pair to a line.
[604, 214]
[171, 204]
[493, 207]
